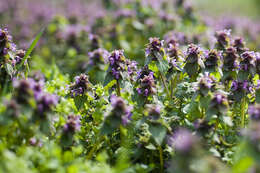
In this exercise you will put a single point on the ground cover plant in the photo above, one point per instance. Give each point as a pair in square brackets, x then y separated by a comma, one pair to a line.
[132, 86]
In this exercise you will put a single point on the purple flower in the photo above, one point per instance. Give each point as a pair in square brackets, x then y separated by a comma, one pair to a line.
[253, 134]
[144, 72]
[182, 140]
[45, 102]
[117, 63]
[146, 85]
[23, 90]
[154, 112]
[248, 61]
[94, 41]
[131, 67]
[212, 60]
[173, 51]
[257, 57]
[239, 44]
[240, 86]
[205, 83]
[155, 45]
[254, 112]
[192, 54]
[230, 59]
[72, 125]
[121, 110]
[219, 104]
[223, 38]
[80, 86]
[6, 43]
[26, 89]
[98, 57]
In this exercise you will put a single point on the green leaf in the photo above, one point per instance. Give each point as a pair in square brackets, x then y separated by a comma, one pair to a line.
[79, 101]
[162, 65]
[158, 132]
[228, 120]
[150, 147]
[32, 46]
[9, 69]
[109, 77]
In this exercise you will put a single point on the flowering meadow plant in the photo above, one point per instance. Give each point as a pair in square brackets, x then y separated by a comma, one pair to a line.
[129, 86]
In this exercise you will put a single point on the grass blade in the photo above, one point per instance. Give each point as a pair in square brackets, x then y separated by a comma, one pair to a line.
[32, 46]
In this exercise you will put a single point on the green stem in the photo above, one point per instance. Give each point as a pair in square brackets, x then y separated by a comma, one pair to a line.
[225, 143]
[165, 85]
[243, 110]
[161, 158]
[118, 92]
[93, 150]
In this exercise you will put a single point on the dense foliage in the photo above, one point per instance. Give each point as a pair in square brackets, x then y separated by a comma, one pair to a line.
[139, 86]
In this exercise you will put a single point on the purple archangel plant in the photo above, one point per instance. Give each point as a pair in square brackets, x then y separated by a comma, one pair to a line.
[25, 90]
[223, 39]
[230, 64]
[218, 105]
[119, 115]
[212, 61]
[205, 84]
[72, 124]
[247, 66]
[97, 64]
[147, 85]
[118, 69]
[239, 89]
[80, 86]
[239, 44]
[254, 112]
[193, 61]
[156, 54]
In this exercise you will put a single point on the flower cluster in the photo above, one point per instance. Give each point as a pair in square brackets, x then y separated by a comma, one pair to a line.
[147, 85]
[254, 112]
[72, 124]
[27, 89]
[205, 83]
[248, 62]
[239, 89]
[131, 67]
[121, 110]
[6, 43]
[94, 41]
[239, 44]
[80, 86]
[257, 63]
[117, 62]
[193, 60]
[193, 53]
[155, 46]
[230, 59]
[212, 60]
[182, 140]
[98, 57]
[223, 39]
[218, 104]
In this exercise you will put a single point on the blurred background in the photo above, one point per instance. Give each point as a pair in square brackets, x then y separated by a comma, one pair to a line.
[235, 8]
[74, 28]
[21, 13]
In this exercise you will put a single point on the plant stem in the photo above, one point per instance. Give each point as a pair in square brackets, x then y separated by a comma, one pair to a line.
[118, 92]
[161, 158]
[173, 84]
[92, 151]
[165, 85]
[243, 107]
